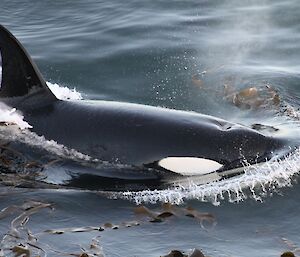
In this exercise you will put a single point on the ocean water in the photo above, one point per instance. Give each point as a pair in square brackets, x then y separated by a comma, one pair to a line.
[177, 54]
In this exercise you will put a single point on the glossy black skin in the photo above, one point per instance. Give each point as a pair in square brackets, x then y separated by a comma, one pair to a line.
[123, 133]
[138, 134]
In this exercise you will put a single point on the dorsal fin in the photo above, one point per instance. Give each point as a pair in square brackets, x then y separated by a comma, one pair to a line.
[20, 75]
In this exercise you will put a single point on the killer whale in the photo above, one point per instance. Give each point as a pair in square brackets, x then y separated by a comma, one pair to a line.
[124, 133]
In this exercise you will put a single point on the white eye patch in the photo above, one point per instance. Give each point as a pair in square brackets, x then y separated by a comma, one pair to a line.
[188, 166]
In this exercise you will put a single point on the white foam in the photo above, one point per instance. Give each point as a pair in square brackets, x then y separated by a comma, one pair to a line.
[10, 116]
[64, 93]
[51, 146]
[257, 182]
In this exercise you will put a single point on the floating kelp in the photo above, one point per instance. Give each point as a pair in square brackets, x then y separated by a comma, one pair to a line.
[167, 210]
[197, 81]
[177, 253]
[250, 97]
[253, 97]
[101, 228]
[287, 254]
[94, 249]
[19, 239]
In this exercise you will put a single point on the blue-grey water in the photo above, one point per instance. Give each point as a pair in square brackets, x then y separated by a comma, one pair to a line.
[176, 54]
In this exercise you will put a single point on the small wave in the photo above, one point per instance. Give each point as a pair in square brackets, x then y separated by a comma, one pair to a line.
[64, 93]
[32, 139]
[257, 182]
[10, 116]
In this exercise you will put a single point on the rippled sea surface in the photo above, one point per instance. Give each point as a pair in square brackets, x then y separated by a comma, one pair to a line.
[180, 55]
